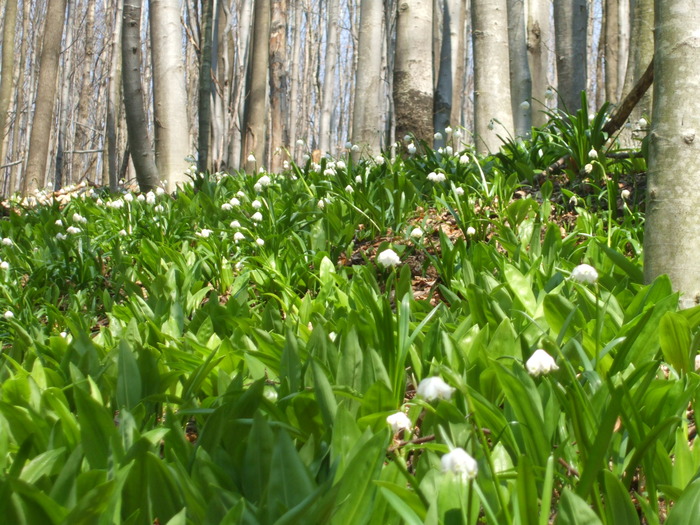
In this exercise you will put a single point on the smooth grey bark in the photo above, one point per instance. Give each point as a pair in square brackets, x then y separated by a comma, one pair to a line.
[538, 34]
[113, 101]
[45, 97]
[256, 87]
[137, 128]
[570, 28]
[279, 109]
[295, 71]
[641, 52]
[493, 115]
[172, 143]
[8, 59]
[62, 169]
[520, 79]
[451, 70]
[672, 225]
[205, 91]
[611, 26]
[330, 71]
[83, 129]
[367, 130]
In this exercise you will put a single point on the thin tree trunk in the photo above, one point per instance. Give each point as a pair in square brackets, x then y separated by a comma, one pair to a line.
[279, 109]
[611, 24]
[641, 52]
[205, 85]
[493, 114]
[8, 69]
[113, 102]
[538, 32]
[256, 108]
[520, 79]
[327, 99]
[62, 168]
[136, 123]
[450, 74]
[672, 225]
[570, 27]
[45, 99]
[296, 71]
[87, 92]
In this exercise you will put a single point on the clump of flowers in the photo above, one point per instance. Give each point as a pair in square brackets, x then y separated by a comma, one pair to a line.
[540, 363]
[436, 177]
[432, 388]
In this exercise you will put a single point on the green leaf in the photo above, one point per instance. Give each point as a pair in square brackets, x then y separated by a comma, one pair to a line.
[128, 377]
[618, 505]
[399, 504]
[573, 510]
[324, 394]
[675, 341]
[687, 508]
[97, 431]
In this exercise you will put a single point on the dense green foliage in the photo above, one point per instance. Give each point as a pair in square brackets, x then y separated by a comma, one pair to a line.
[156, 365]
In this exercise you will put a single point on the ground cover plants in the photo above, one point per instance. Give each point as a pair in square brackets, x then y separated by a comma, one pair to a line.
[433, 338]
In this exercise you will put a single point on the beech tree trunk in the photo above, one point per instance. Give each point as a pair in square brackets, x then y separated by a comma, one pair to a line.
[256, 88]
[413, 70]
[330, 71]
[8, 58]
[493, 115]
[45, 97]
[641, 52]
[538, 33]
[83, 128]
[113, 101]
[520, 79]
[172, 143]
[205, 91]
[136, 125]
[451, 70]
[570, 27]
[367, 130]
[672, 226]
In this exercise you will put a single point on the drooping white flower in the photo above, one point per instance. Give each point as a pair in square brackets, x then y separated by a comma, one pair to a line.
[73, 230]
[128, 197]
[61, 236]
[235, 224]
[432, 388]
[588, 168]
[448, 150]
[524, 105]
[332, 336]
[140, 197]
[7, 241]
[358, 179]
[399, 421]
[457, 134]
[349, 188]
[411, 148]
[625, 194]
[251, 158]
[459, 191]
[234, 201]
[238, 236]
[460, 463]
[416, 233]
[259, 242]
[437, 136]
[642, 123]
[240, 194]
[593, 153]
[204, 232]
[79, 218]
[355, 148]
[321, 204]
[264, 181]
[8, 314]
[160, 191]
[584, 273]
[540, 362]
[158, 209]
[464, 160]
[471, 230]
[388, 258]
[448, 130]
[256, 204]
[4, 265]
[58, 222]
[379, 159]
[436, 177]
[329, 172]
[122, 233]
[300, 142]
[257, 216]
[150, 197]
[226, 206]
[257, 188]
[340, 165]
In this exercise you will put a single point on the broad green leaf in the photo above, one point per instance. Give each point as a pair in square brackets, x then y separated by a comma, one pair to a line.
[573, 510]
[97, 431]
[675, 340]
[618, 504]
[686, 509]
[128, 377]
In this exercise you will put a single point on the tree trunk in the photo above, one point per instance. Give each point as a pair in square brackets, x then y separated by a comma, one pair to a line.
[256, 89]
[205, 91]
[87, 92]
[520, 79]
[113, 102]
[538, 33]
[136, 124]
[279, 109]
[641, 52]
[62, 171]
[493, 115]
[327, 99]
[611, 25]
[45, 97]
[295, 80]
[413, 70]
[570, 26]
[451, 71]
[672, 226]
[8, 69]
[367, 131]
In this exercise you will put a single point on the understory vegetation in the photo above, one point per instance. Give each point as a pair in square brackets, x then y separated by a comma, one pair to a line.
[263, 349]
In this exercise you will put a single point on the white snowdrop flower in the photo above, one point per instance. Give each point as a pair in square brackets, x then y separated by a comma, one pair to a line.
[491, 125]
[261, 170]
[355, 148]
[432, 388]
[305, 157]
[642, 123]
[259, 242]
[388, 258]
[158, 209]
[437, 136]
[432, 176]
[457, 134]
[234, 201]
[128, 197]
[549, 94]
[625, 194]
[440, 151]
[584, 273]
[204, 232]
[321, 204]
[407, 138]
[140, 197]
[256, 204]
[463, 160]
[540, 362]
[697, 362]
[573, 200]
[257, 187]
[226, 206]
[316, 167]
[332, 336]
[459, 191]
[285, 165]
[63, 334]
[73, 230]
[340, 165]
[251, 158]
[61, 236]
[122, 233]
[411, 148]
[330, 164]
[588, 168]
[240, 194]
[160, 191]
[265, 180]
[379, 159]
[448, 150]
[238, 236]
[300, 142]
[471, 231]
[398, 422]
[358, 179]
[257, 216]
[591, 117]
[448, 130]
[116, 204]
[329, 172]
[99, 202]
[6, 241]
[416, 233]
[349, 189]
[79, 218]
[4, 265]
[593, 153]
[150, 197]
[524, 105]
[235, 224]
[8, 314]
[460, 463]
